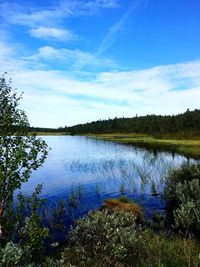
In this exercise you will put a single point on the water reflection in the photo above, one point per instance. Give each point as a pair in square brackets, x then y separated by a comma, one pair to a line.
[138, 173]
[83, 172]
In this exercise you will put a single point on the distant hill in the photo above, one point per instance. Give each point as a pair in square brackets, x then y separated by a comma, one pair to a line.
[186, 124]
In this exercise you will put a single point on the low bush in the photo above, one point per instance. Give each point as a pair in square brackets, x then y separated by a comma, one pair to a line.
[181, 193]
[102, 239]
[14, 255]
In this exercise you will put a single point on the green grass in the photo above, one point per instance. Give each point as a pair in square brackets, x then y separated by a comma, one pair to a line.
[186, 147]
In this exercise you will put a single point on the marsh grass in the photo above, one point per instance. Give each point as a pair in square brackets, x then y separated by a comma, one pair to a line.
[188, 147]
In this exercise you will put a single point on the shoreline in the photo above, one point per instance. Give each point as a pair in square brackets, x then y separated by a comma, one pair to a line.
[186, 147]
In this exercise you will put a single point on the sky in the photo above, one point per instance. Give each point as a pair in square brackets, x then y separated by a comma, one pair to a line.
[78, 61]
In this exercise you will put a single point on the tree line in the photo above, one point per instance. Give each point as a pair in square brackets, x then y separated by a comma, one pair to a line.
[186, 124]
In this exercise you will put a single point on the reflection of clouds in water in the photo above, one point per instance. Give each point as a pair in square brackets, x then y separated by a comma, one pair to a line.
[138, 173]
[75, 160]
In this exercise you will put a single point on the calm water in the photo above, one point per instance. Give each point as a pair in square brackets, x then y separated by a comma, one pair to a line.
[90, 170]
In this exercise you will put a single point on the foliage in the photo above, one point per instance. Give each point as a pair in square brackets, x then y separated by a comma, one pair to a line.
[124, 204]
[148, 249]
[11, 255]
[32, 234]
[113, 239]
[20, 153]
[103, 237]
[25, 207]
[48, 262]
[162, 250]
[15, 255]
[181, 192]
[181, 125]
[25, 224]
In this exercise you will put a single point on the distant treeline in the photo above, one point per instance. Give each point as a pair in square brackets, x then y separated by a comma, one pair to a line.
[186, 124]
[45, 130]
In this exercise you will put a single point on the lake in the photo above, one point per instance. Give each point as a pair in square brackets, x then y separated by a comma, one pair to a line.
[85, 171]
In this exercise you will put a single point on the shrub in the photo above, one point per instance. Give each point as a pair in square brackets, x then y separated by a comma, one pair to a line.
[126, 205]
[15, 255]
[11, 255]
[181, 192]
[32, 236]
[102, 238]
[29, 230]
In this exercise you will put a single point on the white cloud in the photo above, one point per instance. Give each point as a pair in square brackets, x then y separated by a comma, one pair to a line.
[54, 98]
[76, 59]
[8, 58]
[52, 33]
[33, 16]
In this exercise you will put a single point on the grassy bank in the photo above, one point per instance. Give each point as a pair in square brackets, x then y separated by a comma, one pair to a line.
[186, 147]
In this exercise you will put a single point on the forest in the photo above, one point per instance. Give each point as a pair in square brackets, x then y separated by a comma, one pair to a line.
[181, 125]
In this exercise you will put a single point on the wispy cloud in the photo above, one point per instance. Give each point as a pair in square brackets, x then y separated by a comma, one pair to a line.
[15, 13]
[75, 59]
[109, 39]
[53, 33]
[32, 16]
[49, 22]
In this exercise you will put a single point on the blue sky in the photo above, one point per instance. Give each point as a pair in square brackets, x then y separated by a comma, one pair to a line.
[79, 61]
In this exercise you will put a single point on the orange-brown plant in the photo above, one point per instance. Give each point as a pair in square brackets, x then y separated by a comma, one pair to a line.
[120, 205]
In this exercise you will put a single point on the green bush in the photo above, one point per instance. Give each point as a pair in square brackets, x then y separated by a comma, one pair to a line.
[102, 238]
[28, 224]
[32, 236]
[11, 255]
[181, 193]
[14, 255]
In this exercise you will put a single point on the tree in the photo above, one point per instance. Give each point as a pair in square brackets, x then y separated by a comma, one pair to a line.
[20, 153]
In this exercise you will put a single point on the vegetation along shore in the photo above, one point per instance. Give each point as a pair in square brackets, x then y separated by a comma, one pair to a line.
[187, 147]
